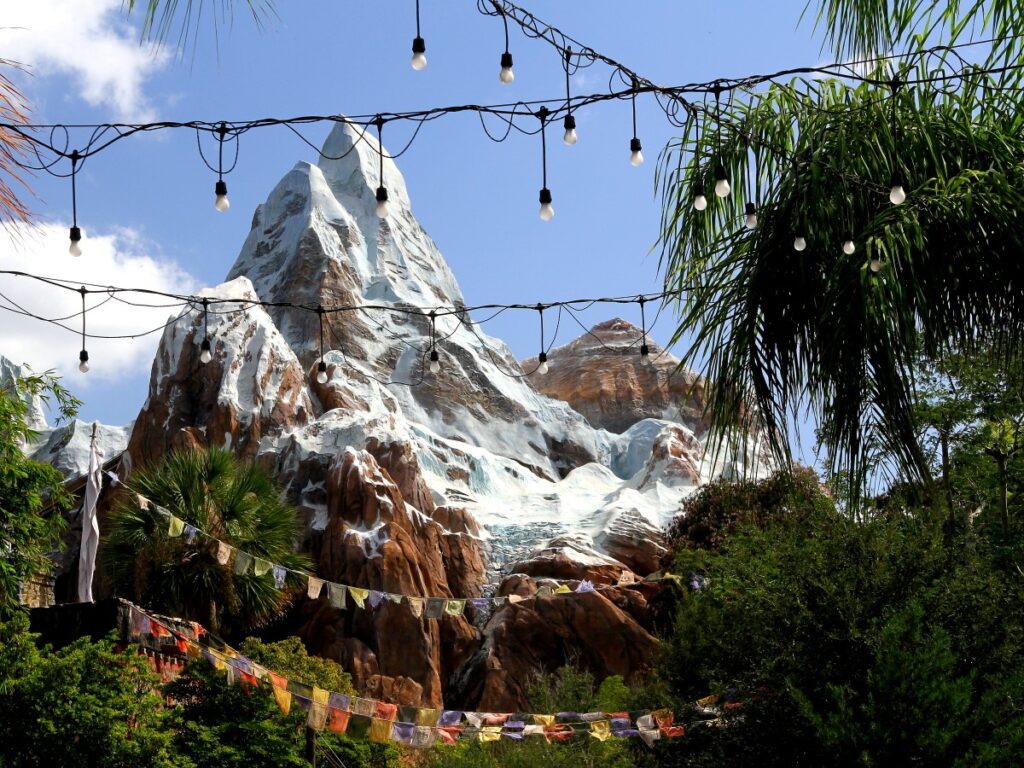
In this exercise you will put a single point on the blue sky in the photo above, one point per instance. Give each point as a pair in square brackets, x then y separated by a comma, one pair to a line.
[146, 204]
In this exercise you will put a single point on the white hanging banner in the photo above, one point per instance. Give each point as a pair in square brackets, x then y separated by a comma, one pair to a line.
[90, 525]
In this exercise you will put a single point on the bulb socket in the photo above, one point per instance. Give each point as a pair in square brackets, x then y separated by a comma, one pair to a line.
[545, 196]
[83, 356]
[506, 60]
[419, 45]
[542, 357]
[382, 194]
[321, 367]
[205, 346]
[433, 356]
[634, 145]
[750, 209]
[897, 180]
[220, 188]
[644, 350]
[698, 189]
[720, 174]
[569, 123]
[76, 234]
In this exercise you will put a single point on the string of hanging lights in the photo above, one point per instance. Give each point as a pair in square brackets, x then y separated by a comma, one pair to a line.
[208, 305]
[673, 101]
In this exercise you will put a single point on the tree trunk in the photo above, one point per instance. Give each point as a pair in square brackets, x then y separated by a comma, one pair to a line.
[946, 484]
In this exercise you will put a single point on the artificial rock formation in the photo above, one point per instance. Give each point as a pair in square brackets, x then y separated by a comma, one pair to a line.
[602, 375]
[429, 485]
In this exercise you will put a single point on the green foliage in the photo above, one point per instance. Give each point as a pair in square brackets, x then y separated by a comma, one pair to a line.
[84, 705]
[27, 536]
[717, 509]
[235, 501]
[216, 724]
[872, 642]
[290, 658]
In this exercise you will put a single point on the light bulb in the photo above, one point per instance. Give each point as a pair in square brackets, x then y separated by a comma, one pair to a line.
[897, 194]
[507, 75]
[750, 220]
[419, 54]
[547, 212]
[542, 358]
[570, 130]
[76, 236]
[722, 187]
[83, 361]
[205, 355]
[382, 203]
[645, 353]
[221, 202]
[849, 246]
[435, 364]
[636, 155]
[875, 264]
[799, 243]
[321, 372]
[700, 202]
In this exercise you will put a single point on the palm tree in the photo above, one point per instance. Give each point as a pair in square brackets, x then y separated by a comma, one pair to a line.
[161, 17]
[834, 327]
[233, 501]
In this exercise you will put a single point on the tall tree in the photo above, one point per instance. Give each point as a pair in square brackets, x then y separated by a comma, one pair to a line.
[28, 533]
[831, 301]
[238, 503]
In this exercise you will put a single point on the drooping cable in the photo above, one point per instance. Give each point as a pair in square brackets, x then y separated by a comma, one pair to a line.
[547, 212]
[321, 367]
[506, 75]
[205, 352]
[382, 191]
[897, 191]
[76, 234]
[636, 155]
[419, 46]
[569, 137]
[83, 356]
[220, 189]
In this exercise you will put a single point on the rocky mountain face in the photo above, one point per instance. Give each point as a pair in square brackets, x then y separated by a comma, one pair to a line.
[473, 480]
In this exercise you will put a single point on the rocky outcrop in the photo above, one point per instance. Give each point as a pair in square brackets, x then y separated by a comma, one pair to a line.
[602, 376]
[254, 385]
[375, 541]
[607, 632]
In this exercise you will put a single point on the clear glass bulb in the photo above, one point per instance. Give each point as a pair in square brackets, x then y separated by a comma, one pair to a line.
[382, 209]
[84, 366]
[205, 356]
[875, 264]
[700, 203]
[75, 249]
[897, 194]
[542, 368]
[570, 137]
[636, 157]
[321, 377]
[222, 203]
[547, 212]
[435, 366]
[849, 247]
[799, 243]
[750, 221]
[507, 75]
[419, 61]
[722, 188]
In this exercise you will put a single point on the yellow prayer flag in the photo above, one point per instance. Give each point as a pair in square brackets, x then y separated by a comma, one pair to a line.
[454, 607]
[262, 567]
[544, 719]
[283, 697]
[427, 717]
[359, 595]
[321, 696]
[176, 527]
[601, 730]
[380, 730]
[490, 733]
[563, 590]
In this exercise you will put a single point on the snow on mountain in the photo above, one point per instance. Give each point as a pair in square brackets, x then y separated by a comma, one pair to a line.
[477, 435]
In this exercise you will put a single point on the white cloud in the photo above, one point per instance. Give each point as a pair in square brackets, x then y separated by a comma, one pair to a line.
[91, 41]
[121, 259]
